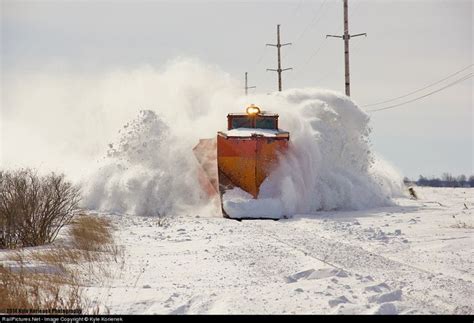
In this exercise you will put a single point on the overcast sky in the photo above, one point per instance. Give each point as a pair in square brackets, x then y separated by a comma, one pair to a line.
[410, 44]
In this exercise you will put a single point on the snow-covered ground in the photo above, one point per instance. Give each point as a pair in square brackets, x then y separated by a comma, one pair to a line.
[413, 258]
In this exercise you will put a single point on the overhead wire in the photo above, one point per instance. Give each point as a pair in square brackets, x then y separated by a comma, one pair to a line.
[465, 77]
[320, 13]
[314, 21]
[418, 90]
[356, 11]
[295, 11]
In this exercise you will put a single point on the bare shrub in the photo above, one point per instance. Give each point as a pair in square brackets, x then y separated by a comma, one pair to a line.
[34, 208]
[91, 233]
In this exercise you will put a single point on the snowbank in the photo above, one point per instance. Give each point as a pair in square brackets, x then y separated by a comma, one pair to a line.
[239, 204]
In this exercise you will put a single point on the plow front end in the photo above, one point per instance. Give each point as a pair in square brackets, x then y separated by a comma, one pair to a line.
[243, 156]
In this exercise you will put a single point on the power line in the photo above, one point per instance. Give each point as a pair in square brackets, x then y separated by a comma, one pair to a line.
[466, 77]
[259, 60]
[321, 12]
[264, 49]
[355, 48]
[356, 10]
[317, 17]
[300, 3]
[261, 56]
[312, 25]
[314, 21]
[315, 52]
[423, 88]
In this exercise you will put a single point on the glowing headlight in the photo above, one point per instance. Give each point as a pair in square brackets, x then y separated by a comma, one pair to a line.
[252, 109]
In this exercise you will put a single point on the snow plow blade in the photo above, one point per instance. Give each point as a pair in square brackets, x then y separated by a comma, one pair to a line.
[247, 161]
[240, 157]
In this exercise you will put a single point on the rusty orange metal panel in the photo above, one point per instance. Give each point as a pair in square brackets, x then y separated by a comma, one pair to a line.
[267, 156]
[236, 159]
[241, 171]
[235, 147]
[247, 161]
[206, 154]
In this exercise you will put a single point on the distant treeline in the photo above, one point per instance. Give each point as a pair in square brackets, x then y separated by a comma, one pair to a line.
[446, 180]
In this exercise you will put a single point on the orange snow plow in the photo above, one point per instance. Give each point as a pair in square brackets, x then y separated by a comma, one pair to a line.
[242, 156]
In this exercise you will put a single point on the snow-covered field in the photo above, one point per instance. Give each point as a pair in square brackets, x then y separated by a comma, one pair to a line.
[416, 257]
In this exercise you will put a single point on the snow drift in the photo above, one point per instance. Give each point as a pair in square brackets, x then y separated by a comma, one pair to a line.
[149, 167]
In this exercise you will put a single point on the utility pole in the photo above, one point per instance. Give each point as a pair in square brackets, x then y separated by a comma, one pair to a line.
[246, 85]
[346, 38]
[278, 45]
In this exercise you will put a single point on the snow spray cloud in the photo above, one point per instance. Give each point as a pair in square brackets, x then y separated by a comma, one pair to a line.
[329, 164]
[149, 171]
[148, 168]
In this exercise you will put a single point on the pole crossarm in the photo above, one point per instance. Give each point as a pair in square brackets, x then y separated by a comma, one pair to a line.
[348, 36]
[356, 35]
[279, 69]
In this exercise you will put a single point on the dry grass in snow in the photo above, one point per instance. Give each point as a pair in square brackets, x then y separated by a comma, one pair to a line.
[50, 278]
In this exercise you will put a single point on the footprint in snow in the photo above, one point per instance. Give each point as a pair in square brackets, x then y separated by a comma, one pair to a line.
[382, 287]
[300, 275]
[396, 295]
[365, 279]
[171, 298]
[386, 309]
[338, 300]
[316, 274]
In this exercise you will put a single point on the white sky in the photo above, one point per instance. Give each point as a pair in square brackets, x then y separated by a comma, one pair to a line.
[410, 44]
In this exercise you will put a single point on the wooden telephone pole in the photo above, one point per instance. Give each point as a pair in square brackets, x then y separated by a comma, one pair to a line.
[278, 45]
[246, 85]
[346, 38]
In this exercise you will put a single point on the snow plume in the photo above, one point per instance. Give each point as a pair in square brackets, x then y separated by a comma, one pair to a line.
[148, 168]
[152, 170]
[329, 164]
[147, 172]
